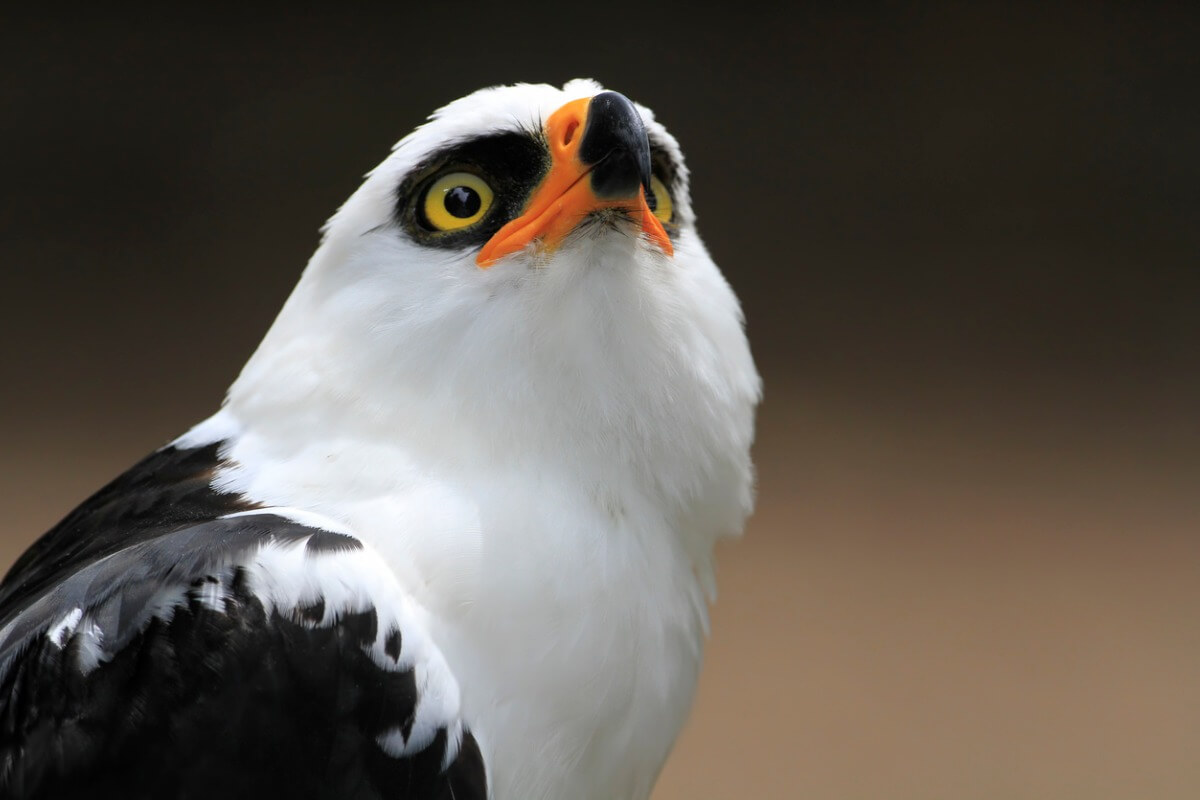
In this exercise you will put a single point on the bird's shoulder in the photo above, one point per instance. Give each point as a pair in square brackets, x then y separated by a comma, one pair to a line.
[169, 639]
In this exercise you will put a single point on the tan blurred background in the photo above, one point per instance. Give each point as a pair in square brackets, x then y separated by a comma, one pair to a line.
[967, 241]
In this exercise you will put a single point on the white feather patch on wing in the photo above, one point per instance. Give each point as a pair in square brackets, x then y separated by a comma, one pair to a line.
[287, 577]
[91, 645]
[60, 632]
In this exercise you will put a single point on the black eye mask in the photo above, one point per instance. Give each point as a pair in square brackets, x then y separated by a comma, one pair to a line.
[512, 164]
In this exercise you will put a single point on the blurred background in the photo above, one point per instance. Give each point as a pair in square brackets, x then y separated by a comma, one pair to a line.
[967, 239]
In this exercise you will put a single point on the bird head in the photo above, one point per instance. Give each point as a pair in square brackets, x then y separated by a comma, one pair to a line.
[524, 270]
[523, 176]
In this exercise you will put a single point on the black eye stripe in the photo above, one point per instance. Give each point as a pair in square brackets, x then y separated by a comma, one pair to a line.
[513, 164]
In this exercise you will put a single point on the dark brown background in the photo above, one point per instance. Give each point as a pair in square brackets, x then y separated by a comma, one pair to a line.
[967, 241]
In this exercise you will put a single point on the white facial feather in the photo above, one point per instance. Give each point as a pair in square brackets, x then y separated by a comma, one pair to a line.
[543, 451]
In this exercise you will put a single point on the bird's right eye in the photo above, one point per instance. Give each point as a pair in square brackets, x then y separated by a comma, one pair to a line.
[455, 201]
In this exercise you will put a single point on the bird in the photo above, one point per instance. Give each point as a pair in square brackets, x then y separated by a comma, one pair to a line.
[450, 533]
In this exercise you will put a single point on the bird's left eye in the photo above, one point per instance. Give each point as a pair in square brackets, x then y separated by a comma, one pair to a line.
[456, 201]
[659, 200]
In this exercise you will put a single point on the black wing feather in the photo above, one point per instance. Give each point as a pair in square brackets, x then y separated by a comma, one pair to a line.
[232, 699]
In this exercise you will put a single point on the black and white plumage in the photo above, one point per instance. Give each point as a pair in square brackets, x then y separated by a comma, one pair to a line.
[451, 533]
[162, 615]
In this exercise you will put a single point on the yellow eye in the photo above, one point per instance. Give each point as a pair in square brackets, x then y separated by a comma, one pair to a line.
[457, 201]
[660, 200]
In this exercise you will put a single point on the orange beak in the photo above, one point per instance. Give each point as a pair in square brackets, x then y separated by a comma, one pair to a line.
[600, 159]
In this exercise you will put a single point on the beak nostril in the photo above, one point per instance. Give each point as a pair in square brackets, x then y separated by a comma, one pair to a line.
[569, 133]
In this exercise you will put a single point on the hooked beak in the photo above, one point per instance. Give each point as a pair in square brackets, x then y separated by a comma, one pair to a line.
[600, 159]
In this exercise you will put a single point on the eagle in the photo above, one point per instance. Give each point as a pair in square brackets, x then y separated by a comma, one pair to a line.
[450, 534]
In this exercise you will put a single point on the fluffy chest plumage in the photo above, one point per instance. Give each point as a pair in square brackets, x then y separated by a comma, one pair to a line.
[567, 608]
[577, 643]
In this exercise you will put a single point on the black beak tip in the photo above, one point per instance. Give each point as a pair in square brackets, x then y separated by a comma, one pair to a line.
[614, 143]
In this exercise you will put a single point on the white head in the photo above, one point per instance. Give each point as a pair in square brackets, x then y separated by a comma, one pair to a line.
[563, 321]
